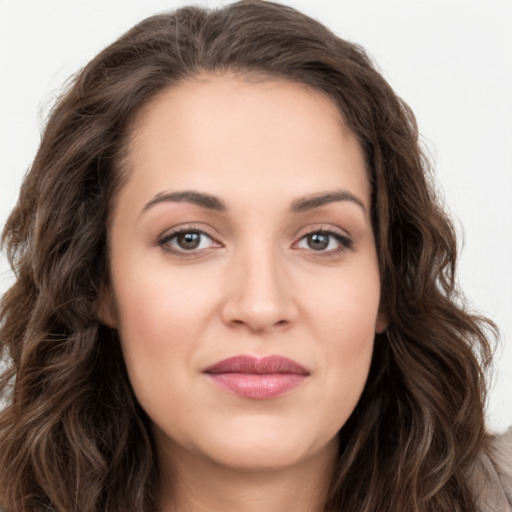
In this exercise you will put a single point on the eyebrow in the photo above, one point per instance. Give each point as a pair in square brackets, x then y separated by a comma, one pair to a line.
[316, 200]
[188, 196]
[211, 202]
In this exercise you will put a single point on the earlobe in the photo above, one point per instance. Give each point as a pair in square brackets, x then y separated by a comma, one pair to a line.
[105, 309]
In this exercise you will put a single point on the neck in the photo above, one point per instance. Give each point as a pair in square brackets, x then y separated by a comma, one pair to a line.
[199, 485]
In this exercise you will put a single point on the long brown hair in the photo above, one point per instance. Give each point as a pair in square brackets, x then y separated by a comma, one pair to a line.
[72, 436]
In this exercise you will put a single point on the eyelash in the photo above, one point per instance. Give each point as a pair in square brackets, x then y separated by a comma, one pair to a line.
[163, 242]
[345, 243]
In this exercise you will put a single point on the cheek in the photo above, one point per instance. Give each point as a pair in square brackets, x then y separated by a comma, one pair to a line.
[344, 307]
[344, 319]
[348, 346]
[156, 302]
[160, 318]
[348, 355]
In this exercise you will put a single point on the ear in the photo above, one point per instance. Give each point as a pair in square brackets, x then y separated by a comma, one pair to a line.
[381, 324]
[105, 310]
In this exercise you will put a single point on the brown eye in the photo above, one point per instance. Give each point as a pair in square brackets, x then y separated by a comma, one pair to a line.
[318, 241]
[324, 242]
[188, 241]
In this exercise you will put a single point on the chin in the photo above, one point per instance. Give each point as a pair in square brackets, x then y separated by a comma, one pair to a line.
[253, 446]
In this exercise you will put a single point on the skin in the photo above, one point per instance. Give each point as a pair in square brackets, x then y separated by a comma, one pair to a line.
[256, 285]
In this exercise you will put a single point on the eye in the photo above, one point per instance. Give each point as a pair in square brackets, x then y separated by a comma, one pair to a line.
[325, 241]
[187, 241]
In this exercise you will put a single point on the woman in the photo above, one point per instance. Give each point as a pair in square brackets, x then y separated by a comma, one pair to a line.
[235, 289]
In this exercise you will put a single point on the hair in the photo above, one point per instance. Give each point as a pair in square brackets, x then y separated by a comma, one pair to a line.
[72, 435]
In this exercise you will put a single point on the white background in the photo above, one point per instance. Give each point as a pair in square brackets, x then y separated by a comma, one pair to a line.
[451, 60]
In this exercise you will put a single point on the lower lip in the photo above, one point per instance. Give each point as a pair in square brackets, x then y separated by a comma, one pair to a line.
[258, 386]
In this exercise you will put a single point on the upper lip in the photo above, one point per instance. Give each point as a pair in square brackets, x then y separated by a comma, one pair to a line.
[257, 365]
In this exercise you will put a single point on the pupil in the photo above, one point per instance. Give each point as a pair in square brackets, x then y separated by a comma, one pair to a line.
[318, 241]
[189, 240]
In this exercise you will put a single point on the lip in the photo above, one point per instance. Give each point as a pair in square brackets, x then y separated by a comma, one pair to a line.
[257, 377]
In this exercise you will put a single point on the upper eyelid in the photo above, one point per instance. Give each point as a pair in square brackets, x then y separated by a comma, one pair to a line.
[322, 227]
[342, 238]
[169, 233]
[299, 233]
[326, 228]
[327, 231]
[164, 242]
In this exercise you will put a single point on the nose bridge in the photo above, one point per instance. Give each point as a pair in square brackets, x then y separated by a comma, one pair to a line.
[262, 277]
[259, 294]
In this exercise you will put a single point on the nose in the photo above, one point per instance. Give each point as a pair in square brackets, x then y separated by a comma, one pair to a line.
[259, 296]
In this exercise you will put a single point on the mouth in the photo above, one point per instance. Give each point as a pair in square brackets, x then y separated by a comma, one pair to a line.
[257, 378]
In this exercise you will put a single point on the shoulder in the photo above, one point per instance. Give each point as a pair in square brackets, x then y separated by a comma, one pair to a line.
[491, 478]
[500, 452]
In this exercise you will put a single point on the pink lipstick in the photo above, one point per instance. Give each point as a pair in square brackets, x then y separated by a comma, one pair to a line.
[257, 378]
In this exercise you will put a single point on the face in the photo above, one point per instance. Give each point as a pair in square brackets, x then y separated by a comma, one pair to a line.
[245, 284]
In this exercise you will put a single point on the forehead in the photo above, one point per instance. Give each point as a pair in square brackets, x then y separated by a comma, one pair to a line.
[232, 135]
